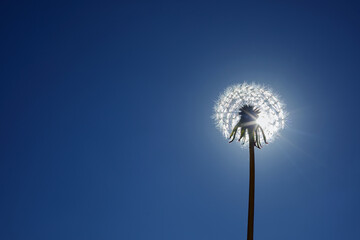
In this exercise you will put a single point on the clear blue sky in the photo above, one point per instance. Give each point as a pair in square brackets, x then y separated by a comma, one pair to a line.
[106, 129]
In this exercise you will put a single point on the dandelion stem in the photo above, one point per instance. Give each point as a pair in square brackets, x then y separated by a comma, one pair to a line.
[250, 230]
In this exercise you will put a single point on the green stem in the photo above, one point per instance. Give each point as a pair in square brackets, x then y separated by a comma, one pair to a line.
[250, 230]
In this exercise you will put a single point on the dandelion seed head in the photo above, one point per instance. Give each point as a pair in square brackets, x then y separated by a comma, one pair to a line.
[272, 114]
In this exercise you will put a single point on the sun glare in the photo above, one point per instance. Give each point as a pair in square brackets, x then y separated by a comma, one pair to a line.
[272, 114]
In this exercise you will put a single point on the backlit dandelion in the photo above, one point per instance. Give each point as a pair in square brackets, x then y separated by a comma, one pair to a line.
[271, 115]
[259, 114]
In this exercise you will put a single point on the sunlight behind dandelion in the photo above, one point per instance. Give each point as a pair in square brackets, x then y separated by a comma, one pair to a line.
[272, 114]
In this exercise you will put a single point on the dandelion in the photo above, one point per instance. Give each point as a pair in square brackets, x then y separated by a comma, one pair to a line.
[259, 114]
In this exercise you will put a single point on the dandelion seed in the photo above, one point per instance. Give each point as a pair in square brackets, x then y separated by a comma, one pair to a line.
[271, 115]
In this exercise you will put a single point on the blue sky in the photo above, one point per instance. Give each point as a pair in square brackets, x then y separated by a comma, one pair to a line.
[106, 129]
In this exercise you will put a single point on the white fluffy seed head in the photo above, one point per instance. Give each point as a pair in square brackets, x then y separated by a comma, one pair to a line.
[272, 114]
